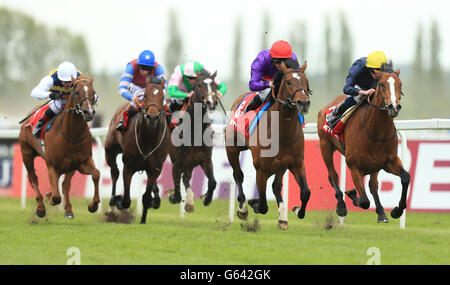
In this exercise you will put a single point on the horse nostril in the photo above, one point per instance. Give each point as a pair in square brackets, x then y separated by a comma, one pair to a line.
[399, 107]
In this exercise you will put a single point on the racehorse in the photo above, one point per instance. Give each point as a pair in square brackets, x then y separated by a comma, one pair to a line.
[291, 96]
[68, 148]
[189, 148]
[144, 147]
[370, 144]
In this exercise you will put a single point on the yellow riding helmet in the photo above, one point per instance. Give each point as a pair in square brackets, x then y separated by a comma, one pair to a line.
[376, 59]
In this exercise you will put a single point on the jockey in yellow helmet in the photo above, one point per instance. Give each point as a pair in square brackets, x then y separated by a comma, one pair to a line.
[361, 82]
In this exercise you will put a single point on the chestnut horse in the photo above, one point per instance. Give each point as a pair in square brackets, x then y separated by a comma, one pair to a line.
[68, 148]
[370, 144]
[144, 146]
[189, 148]
[292, 98]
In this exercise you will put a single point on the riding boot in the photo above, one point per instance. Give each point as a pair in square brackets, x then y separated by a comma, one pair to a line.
[46, 116]
[126, 116]
[334, 116]
[255, 103]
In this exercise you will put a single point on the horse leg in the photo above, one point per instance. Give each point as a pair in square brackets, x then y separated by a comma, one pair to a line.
[327, 154]
[207, 167]
[259, 205]
[358, 180]
[238, 175]
[28, 157]
[396, 168]
[125, 202]
[373, 185]
[156, 200]
[175, 198]
[111, 155]
[89, 168]
[300, 177]
[54, 196]
[189, 206]
[276, 188]
[66, 189]
[147, 197]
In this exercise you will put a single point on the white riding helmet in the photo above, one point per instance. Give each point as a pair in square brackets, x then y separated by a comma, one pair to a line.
[66, 70]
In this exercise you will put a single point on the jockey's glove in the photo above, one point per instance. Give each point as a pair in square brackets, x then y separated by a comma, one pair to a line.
[55, 95]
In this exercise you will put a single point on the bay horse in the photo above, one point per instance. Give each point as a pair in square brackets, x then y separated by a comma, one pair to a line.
[189, 148]
[68, 148]
[144, 147]
[291, 97]
[370, 144]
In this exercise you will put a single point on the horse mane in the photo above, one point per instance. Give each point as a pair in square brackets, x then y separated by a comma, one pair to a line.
[291, 64]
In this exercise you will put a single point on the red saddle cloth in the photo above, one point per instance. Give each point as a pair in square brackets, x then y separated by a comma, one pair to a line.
[338, 131]
[35, 119]
[241, 120]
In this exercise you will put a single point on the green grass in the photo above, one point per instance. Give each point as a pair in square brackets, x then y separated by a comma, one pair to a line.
[206, 237]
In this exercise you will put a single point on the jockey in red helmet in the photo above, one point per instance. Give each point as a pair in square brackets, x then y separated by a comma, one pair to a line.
[266, 64]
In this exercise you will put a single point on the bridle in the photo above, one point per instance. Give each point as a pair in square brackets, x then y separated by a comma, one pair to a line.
[384, 107]
[290, 103]
[77, 107]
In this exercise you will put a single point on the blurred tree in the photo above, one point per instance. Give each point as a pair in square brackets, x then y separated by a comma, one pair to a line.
[174, 45]
[346, 45]
[435, 50]
[265, 31]
[297, 37]
[329, 64]
[418, 55]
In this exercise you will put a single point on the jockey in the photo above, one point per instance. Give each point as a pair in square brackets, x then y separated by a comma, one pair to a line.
[55, 86]
[361, 82]
[132, 83]
[182, 80]
[264, 67]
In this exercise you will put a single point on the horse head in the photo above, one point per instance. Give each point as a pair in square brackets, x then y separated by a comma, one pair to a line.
[83, 97]
[389, 89]
[153, 100]
[292, 87]
[205, 91]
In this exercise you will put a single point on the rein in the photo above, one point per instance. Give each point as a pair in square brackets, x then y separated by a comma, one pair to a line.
[381, 108]
[146, 156]
[290, 103]
[77, 109]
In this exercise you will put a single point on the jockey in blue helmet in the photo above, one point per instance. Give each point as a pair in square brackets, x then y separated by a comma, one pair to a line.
[132, 83]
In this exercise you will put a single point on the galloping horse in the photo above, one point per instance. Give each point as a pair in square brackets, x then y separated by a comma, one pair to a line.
[370, 144]
[192, 150]
[291, 98]
[67, 148]
[144, 147]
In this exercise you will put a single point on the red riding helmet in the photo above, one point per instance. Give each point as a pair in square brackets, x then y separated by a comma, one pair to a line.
[281, 49]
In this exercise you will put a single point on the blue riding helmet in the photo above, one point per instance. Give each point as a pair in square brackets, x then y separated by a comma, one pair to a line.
[146, 58]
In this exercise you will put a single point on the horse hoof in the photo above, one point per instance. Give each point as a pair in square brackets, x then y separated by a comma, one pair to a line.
[254, 204]
[189, 208]
[352, 194]
[93, 209]
[298, 212]
[115, 200]
[384, 220]
[56, 200]
[40, 213]
[365, 205]
[175, 199]
[283, 225]
[207, 199]
[396, 213]
[242, 215]
[341, 211]
[124, 204]
[156, 202]
[68, 215]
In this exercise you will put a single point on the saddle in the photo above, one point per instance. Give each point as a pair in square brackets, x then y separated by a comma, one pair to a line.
[35, 119]
[245, 122]
[338, 130]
